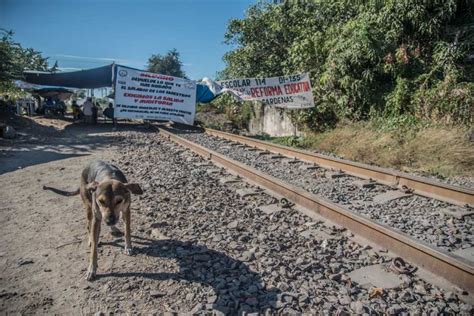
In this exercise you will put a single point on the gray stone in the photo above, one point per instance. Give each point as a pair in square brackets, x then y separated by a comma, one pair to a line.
[457, 212]
[202, 257]
[270, 209]
[292, 161]
[345, 300]
[334, 174]
[198, 307]
[308, 167]
[233, 225]
[203, 164]
[252, 301]
[229, 180]
[317, 234]
[364, 184]
[217, 237]
[246, 192]
[213, 171]
[157, 294]
[390, 196]
[358, 307]
[247, 256]
[395, 309]
[24, 261]
[278, 156]
[375, 276]
[157, 234]
[212, 299]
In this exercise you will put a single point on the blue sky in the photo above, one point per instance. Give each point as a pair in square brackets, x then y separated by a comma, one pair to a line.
[82, 34]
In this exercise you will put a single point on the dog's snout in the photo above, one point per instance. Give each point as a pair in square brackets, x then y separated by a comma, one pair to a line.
[111, 220]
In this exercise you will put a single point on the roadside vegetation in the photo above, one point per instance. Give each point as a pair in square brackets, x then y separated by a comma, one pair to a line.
[392, 80]
[440, 151]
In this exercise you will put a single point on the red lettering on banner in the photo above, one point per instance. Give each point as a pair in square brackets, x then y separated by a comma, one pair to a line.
[265, 91]
[299, 87]
[137, 95]
[158, 76]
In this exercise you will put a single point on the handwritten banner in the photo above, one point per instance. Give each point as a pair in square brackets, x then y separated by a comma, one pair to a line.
[293, 92]
[146, 95]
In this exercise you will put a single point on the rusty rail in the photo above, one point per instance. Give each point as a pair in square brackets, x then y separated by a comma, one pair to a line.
[453, 268]
[421, 186]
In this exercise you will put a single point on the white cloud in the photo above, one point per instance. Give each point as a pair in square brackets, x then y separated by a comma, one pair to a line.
[68, 68]
[90, 58]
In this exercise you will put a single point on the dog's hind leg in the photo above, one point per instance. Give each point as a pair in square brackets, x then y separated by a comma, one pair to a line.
[128, 237]
[95, 233]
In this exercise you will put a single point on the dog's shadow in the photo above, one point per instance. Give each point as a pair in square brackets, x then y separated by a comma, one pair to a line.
[237, 288]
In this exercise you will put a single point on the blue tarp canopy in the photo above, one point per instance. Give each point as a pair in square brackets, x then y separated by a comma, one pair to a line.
[84, 79]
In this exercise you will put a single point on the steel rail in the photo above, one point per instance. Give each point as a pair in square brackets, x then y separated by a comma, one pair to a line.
[421, 186]
[453, 268]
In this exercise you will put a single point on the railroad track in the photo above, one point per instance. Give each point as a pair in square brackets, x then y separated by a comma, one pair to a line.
[421, 186]
[454, 268]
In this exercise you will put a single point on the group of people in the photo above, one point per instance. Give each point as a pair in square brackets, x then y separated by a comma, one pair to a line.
[89, 111]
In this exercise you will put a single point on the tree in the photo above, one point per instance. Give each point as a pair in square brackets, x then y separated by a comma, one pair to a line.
[365, 58]
[167, 65]
[15, 59]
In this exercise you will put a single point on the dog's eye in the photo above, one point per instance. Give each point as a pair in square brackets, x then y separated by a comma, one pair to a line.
[102, 202]
[119, 201]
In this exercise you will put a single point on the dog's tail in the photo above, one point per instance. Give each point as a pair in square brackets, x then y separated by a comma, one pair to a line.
[61, 192]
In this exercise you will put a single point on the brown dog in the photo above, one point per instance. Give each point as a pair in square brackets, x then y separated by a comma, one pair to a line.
[106, 194]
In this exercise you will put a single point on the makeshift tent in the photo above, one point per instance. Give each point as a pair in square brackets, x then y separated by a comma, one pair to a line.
[83, 79]
[99, 78]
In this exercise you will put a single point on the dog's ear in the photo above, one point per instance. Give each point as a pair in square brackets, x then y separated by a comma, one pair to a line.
[134, 188]
[91, 187]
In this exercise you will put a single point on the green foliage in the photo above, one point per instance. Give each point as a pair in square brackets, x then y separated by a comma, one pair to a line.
[366, 59]
[14, 59]
[169, 64]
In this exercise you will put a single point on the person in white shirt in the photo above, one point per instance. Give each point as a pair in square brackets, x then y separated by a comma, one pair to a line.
[87, 110]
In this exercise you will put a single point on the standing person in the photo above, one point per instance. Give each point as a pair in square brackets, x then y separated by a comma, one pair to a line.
[109, 112]
[76, 110]
[87, 110]
[95, 110]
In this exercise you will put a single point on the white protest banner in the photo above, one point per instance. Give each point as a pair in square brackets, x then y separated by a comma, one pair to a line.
[146, 95]
[293, 92]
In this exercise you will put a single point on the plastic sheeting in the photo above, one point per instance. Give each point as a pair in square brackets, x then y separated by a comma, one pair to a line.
[84, 79]
[207, 90]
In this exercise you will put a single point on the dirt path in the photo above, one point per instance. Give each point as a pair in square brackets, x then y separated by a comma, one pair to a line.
[42, 248]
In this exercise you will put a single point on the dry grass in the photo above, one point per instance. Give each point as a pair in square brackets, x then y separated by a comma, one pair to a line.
[440, 151]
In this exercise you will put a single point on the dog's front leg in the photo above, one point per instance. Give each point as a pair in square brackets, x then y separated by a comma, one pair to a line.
[89, 225]
[128, 237]
[94, 236]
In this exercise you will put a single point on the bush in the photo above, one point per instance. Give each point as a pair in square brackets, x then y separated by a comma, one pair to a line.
[366, 59]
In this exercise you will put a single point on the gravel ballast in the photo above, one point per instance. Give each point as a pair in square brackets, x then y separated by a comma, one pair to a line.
[420, 217]
[221, 253]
